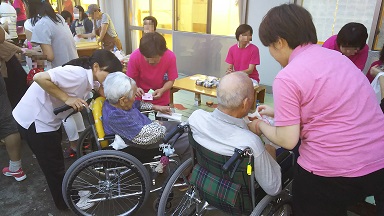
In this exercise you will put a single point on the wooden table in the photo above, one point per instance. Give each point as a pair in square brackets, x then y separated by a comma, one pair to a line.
[86, 48]
[188, 84]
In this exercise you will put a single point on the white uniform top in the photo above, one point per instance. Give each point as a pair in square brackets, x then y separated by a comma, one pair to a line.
[37, 106]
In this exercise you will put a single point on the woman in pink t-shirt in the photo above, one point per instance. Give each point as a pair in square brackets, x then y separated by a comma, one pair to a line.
[321, 98]
[244, 56]
[153, 66]
[351, 42]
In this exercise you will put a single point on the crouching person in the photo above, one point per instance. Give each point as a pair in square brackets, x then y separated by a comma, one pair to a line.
[122, 116]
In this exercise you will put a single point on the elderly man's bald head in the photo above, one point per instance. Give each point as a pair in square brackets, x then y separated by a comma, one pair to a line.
[233, 89]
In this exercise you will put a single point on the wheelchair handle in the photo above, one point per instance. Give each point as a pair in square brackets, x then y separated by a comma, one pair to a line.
[66, 107]
[61, 109]
[179, 129]
[235, 157]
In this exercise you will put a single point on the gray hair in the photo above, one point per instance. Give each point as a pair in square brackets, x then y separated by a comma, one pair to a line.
[118, 85]
[233, 89]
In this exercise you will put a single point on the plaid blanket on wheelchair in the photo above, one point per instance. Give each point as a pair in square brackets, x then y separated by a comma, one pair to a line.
[224, 190]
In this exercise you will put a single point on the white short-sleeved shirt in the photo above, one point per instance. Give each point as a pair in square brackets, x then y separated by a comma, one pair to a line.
[106, 19]
[59, 36]
[37, 105]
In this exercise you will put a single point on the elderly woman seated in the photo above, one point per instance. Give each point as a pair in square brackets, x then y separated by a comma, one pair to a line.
[122, 116]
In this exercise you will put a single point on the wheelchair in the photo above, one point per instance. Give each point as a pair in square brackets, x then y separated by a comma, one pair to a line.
[111, 182]
[212, 181]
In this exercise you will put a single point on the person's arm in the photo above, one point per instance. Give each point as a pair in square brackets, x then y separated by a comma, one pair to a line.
[229, 61]
[48, 51]
[284, 136]
[133, 71]
[159, 92]
[250, 69]
[103, 31]
[381, 82]
[43, 79]
[2, 35]
[229, 69]
[267, 173]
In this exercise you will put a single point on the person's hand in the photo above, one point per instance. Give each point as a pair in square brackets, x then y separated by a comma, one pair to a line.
[140, 92]
[254, 126]
[266, 110]
[76, 103]
[229, 70]
[162, 109]
[99, 42]
[80, 35]
[375, 70]
[157, 93]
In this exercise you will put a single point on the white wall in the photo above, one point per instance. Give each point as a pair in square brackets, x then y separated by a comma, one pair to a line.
[268, 67]
[115, 9]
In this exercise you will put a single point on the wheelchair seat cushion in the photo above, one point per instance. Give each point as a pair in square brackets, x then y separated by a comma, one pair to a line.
[224, 190]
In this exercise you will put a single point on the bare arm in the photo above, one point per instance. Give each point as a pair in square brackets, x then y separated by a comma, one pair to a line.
[250, 69]
[381, 82]
[103, 31]
[45, 82]
[229, 68]
[2, 35]
[284, 136]
[48, 51]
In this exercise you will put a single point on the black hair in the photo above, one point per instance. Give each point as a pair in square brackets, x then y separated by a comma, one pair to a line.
[81, 10]
[106, 60]
[66, 14]
[290, 22]
[41, 8]
[352, 35]
[152, 44]
[153, 19]
[243, 28]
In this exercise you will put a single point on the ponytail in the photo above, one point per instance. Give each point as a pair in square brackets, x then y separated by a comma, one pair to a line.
[83, 62]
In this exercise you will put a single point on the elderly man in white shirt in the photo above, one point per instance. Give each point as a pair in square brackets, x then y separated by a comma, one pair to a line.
[225, 129]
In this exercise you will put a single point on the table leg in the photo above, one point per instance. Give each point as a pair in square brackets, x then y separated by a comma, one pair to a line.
[173, 90]
[197, 99]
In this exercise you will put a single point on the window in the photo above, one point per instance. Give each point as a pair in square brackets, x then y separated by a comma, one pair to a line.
[219, 17]
[330, 16]
[86, 3]
[162, 10]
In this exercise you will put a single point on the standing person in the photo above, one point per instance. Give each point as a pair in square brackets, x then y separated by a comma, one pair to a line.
[153, 66]
[244, 56]
[20, 10]
[341, 153]
[81, 24]
[51, 33]
[350, 41]
[149, 24]
[104, 28]
[67, 84]
[9, 132]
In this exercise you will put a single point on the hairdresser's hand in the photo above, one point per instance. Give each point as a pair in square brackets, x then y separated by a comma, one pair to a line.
[162, 109]
[140, 92]
[229, 70]
[254, 126]
[375, 70]
[157, 93]
[76, 103]
[266, 110]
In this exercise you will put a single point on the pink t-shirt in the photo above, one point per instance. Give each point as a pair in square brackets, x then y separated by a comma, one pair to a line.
[322, 90]
[153, 76]
[368, 75]
[359, 59]
[241, 58]
[22, 15]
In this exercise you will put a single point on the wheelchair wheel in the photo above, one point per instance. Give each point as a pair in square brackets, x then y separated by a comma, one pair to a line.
[279, 205]
[106, 182]
[178, 197]
[87, 143]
